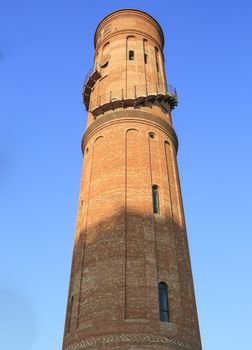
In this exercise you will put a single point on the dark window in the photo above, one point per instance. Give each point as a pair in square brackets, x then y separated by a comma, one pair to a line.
[163, 302]
[104, 64]
[156, 55]
[145, 58]
[131, 55]
[155, 199]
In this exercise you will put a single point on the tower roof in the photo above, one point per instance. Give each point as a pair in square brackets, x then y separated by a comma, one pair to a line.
[133, 11]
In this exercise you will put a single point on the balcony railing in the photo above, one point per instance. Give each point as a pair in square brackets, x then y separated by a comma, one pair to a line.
[88, 75]
[90, 80]
[133, 96]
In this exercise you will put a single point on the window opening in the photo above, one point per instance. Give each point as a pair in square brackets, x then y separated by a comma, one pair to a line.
[163, 302]
[145, 58]
[156, 55]
[155, 199]
[131, 55]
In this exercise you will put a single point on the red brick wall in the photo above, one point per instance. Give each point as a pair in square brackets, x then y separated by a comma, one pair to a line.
[122, 249]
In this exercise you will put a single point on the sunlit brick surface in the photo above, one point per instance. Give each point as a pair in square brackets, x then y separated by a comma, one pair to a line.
[122, 250]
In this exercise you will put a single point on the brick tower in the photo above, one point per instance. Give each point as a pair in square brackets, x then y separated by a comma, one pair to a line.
[131, 285]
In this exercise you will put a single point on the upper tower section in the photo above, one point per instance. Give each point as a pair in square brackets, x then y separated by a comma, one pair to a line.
[128, 67]
[129, 22]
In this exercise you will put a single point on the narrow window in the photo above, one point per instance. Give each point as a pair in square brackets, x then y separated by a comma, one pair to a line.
[145, 58]
[156, 55]
[163, 302]
[155, 199]
[131, 55]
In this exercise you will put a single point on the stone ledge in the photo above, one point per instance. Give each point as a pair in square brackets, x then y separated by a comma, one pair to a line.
[129, 116]
[133, 339]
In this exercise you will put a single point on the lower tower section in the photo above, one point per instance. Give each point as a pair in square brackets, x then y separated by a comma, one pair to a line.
[130, 240]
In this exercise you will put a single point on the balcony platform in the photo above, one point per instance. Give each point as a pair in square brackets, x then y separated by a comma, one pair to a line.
[90, 81]
[131, 97]
[106, 102]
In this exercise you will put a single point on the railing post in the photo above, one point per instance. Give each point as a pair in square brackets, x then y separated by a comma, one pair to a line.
[135, 92]
[122, 95]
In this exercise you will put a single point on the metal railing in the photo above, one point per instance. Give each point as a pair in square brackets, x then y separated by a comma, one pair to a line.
[89, 73]
[135, 92]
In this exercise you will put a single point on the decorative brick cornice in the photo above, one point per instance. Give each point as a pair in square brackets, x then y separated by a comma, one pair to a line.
[129, 116]
[133, 339]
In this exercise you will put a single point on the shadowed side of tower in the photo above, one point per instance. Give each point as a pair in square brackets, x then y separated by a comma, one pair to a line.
[131, 285]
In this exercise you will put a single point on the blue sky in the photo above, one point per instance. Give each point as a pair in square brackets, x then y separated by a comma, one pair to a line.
[46, 48]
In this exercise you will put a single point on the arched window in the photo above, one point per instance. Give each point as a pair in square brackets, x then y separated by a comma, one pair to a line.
[155, 199]
[163, 302]
[105, 56]
[131, 55]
